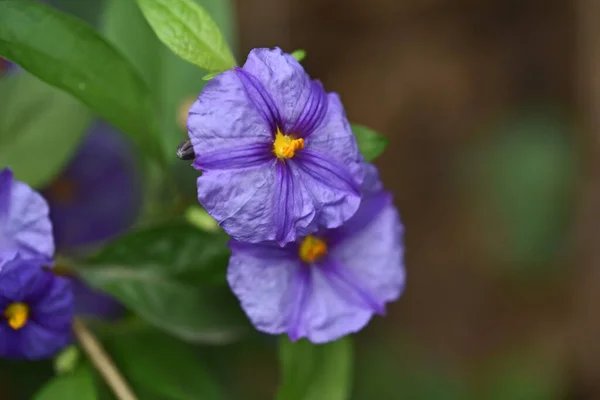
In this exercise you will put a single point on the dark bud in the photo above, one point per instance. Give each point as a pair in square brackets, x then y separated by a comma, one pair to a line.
[185, 151]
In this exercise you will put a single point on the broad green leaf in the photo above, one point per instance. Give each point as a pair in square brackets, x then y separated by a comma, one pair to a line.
[40, 128]
[299, 54]
[189, 31]
[163, 366]
[167, 276]
[78, 385]
[315, 372]
[177, 250]
[67, 53]
[188, 311]
[208, 77]
[370, 143]
[67, 360]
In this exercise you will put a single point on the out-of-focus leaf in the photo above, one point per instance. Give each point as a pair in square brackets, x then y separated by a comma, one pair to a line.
[187, 29]
[177, 250]
[163, 366]
[370, 143]
[66, 361]
[208, 77]
[78, 385]
[70, 55]
[40, 128]
[167, 275]
[299, 54]
[314, 372]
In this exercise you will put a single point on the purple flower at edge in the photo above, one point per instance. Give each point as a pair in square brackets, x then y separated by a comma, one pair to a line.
[329, 284]
[277, 155]
[25, 226]
[37, 309]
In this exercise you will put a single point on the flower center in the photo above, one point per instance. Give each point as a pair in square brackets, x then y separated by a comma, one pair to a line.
[17, 315]
[285, 146]
[312, 248]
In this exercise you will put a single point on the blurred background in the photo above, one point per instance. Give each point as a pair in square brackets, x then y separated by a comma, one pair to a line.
[492, 109]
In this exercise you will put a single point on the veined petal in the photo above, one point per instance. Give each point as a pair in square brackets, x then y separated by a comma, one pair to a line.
[284, 79]
[313, 113]
[263, 285]
[334, 190]
[260, 98]
[244, 157]
[224, 118]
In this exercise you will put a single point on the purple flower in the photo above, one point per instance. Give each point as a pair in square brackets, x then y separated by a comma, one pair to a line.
[326, 285]
[24, 223]
[277, 155]
[37, 307]
[97, 196]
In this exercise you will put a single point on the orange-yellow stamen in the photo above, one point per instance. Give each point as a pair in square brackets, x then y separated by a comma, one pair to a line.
[17, 315]
[312, 248]
[286, 146]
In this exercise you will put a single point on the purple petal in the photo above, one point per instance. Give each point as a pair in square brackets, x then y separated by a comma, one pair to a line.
[224, 118]
[243, 157]
[93, 303]
[251, 203]
[260, 98]
[371, 252]
[6, 180]
[262, 284]
[27, 225]
[313, 113]
[333, 189]
[37, 342]
[284, 78]
[98, 195]
[265, 250]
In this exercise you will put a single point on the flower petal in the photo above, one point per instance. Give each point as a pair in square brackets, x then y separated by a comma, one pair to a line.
[224, 118]
[257, 204]
[368, 249]
[6, 181]
[243, 157]
[27, 225]
[263, 282]
[334, 190]
[260, 98]
[284, 79]
[313, 112]
[38, 342]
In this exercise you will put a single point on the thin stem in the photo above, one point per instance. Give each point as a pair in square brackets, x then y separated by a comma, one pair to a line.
[102, 362]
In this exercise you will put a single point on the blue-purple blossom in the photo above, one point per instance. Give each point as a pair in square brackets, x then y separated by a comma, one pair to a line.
[25, 226]
[98, 194]
[329, 284]
[277, 155]
[37, 309]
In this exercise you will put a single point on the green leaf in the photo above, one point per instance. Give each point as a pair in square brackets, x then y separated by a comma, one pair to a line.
[314, 372]
[167, 276]
[208, 77]
[78, 385]
[177, 250]
[299, 54]
[172, 370]
[68, 54]
[370, 143]
[40, 128]
[66, 361]
[189, 31]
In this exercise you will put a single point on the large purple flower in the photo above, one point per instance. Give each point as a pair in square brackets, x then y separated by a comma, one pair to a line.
[326, 285]
[97, 196]
[25, 226]
[277, 155]
[37, 310]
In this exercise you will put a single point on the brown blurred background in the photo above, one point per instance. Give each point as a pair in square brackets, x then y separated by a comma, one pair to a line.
[491, 108]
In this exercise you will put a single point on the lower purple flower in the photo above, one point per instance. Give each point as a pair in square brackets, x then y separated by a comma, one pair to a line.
[329, 284]
[25, 225]
[37, 307]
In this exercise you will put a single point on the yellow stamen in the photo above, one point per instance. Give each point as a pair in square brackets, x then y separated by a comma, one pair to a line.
[286, 146]
[17, 315]
[312, 248]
